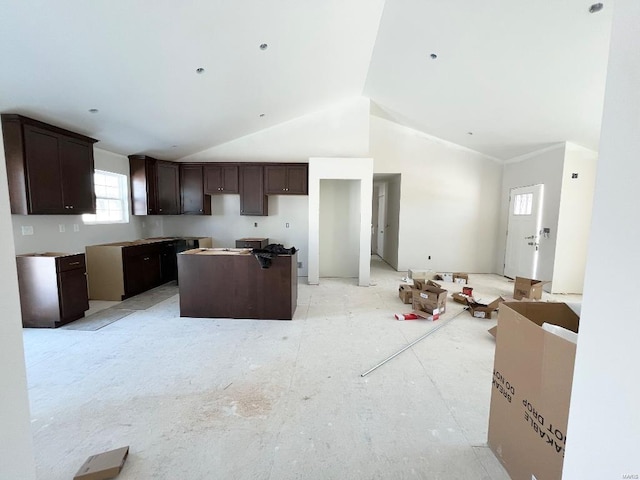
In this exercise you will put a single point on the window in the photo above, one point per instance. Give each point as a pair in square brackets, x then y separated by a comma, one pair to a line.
[112, 204]
[522, 204]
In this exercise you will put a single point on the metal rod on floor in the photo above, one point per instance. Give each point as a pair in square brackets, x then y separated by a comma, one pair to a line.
[433, 330]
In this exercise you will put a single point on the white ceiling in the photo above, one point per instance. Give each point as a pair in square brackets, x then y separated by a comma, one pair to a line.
[520, 75]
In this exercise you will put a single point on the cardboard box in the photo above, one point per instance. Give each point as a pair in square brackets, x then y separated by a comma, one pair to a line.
[460, 298]
[445, 276]
[421, 284]
[405, 292]
[416, 274]
[481, 308]
[103, 465]
[429, 316]
[461, 278]
[429, 300]
[527, 288]
[532, 377]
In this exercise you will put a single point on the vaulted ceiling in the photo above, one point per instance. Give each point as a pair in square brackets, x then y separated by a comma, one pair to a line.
[509, 77]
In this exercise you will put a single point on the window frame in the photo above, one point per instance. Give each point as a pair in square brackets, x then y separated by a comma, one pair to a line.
[123, 198]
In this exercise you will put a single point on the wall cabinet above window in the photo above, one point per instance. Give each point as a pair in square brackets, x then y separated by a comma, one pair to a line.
[50, 170]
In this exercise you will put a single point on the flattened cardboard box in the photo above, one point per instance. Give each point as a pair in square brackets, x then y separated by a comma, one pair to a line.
[405, 292]
[103, 465]
[527, 288]
[531, 389]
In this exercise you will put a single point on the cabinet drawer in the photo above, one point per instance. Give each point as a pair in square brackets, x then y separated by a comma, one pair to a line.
[71, 262]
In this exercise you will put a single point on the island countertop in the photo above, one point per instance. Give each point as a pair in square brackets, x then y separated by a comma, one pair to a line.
[231, 283]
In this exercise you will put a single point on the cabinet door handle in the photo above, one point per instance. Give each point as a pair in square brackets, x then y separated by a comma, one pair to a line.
[74, 263]
[146, 258]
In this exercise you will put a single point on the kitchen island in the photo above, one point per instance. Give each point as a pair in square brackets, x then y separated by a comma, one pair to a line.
[231, 283]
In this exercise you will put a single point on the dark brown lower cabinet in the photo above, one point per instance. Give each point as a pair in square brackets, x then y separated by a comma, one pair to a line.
[142, 268]
[236, 286]
[53, 288]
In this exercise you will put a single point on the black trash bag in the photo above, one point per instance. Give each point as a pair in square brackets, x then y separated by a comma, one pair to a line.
[264, 255]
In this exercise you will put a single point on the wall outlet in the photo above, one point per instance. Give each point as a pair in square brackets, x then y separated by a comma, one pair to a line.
[61, 228]
[255, 224]
[299, 264]
[286, 225]
[76, 227]
[27, 230]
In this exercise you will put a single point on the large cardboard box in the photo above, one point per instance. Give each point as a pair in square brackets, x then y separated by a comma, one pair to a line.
[527, 288]
[532, 377]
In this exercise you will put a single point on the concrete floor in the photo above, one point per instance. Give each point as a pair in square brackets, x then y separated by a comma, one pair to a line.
[202, 399]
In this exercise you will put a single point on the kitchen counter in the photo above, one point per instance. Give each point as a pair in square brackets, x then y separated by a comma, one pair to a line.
[230, 283]
[120, 270]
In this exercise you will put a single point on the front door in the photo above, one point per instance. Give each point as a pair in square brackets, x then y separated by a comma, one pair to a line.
[523, 231]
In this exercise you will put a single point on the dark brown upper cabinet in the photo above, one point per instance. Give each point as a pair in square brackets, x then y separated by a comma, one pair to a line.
[155, 186]
[220, 179]
[290, 179]
[50, 170]
[253, 200]
[194, 201]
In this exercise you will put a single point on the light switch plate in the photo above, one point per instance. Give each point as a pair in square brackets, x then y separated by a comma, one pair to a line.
[27, 230]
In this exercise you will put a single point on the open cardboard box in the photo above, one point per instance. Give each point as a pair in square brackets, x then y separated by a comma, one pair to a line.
[532, 378]
[429, 298]
[482, 309]
[527, 288]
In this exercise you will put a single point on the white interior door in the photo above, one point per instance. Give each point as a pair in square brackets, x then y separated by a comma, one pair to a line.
[523, 231]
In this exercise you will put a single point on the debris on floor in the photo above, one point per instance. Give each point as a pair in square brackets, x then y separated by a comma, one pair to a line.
[103, 465]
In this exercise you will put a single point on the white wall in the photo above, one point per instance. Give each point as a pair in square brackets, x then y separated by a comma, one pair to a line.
[342, 130]
[449, 199]
[574, 219]
[544, 167]
[339, 228]
[16, 444]
[47, 236]
[604, 423]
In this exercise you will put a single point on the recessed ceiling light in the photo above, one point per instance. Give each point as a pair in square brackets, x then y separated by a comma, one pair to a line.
[596, 7]
[93, 110]
[263, 46]
[200, 71]
[433, 56]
